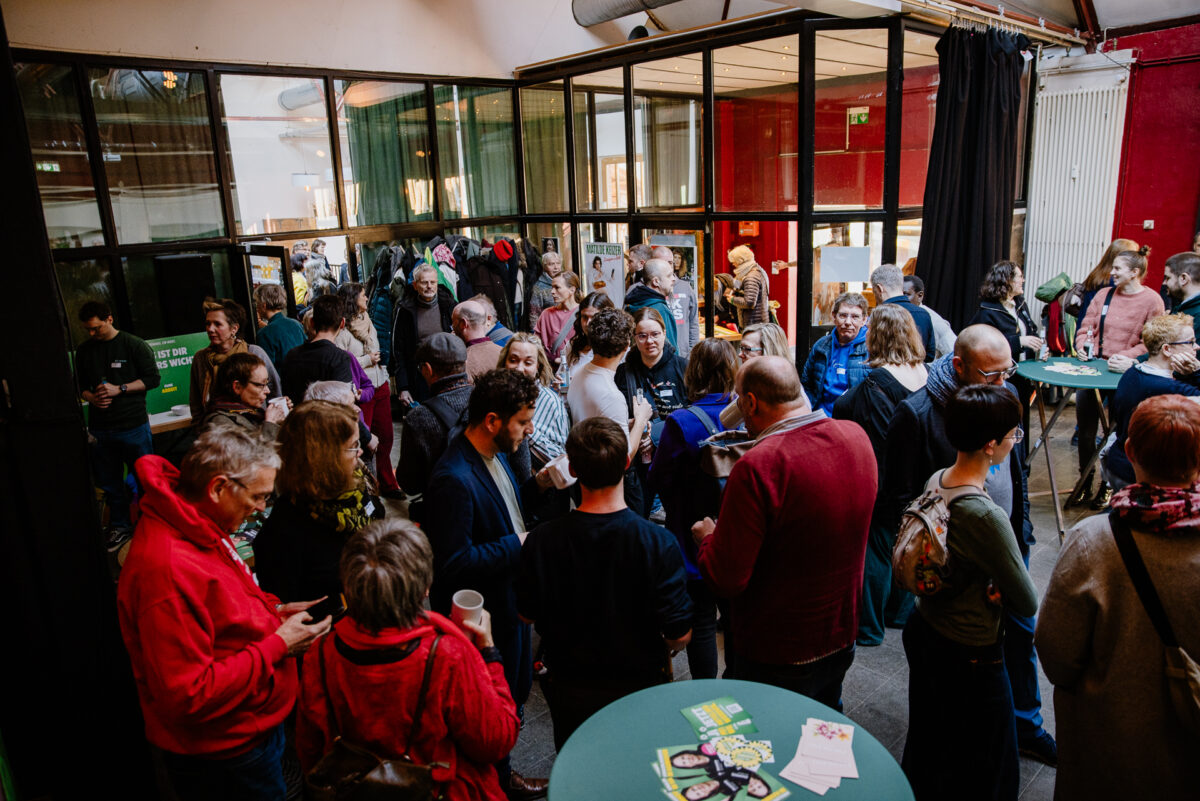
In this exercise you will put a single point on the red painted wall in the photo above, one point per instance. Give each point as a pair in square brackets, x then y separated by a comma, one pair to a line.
[1160, 160]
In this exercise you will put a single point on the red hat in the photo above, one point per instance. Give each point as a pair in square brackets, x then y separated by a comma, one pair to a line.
[502, 249]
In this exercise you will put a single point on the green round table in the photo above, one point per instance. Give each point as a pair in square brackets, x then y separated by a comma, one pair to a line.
[609, 757]
[1039, 374]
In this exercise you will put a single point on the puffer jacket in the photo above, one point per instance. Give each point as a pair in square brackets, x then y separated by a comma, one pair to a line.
[813, 374]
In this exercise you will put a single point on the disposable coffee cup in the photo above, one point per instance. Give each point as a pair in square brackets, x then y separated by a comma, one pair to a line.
[466, 605]
[731, 416]
[281, 402]
[560, 471]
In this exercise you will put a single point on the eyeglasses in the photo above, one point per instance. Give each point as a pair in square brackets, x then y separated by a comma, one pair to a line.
[644, 337]
[1017, 435]
[1008, 372]
[749, 349]
[1191, 342]
[257, 497]
[259, 384]
[356, 450]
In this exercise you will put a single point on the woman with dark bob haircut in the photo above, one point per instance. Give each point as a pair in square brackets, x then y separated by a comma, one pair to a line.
[362, 682]
[239, 397]
[688, 495]
[1119, 735]
[962, 733]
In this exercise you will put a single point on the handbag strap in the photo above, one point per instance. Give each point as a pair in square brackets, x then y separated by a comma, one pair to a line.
[1103, 315]
[416, 722]
[1132, 558]
[567, 329]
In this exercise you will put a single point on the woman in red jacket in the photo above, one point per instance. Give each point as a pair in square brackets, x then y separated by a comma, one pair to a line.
[368, 673]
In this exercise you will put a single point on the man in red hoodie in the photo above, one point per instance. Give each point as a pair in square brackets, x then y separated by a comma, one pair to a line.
[210, 650]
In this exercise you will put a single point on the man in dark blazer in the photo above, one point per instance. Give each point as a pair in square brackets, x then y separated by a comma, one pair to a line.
[475, 519]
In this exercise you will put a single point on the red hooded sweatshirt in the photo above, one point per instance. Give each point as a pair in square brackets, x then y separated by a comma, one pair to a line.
[212, 675]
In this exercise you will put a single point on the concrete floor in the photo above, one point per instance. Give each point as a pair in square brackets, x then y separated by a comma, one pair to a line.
[875, 694]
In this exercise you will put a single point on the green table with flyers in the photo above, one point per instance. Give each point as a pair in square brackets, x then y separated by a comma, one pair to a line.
[612, 755]
[1090, 375]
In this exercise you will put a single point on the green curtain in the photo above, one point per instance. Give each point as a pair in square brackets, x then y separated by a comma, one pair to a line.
[671, 131]
[385, 140]
[543, 125]
[488, 152]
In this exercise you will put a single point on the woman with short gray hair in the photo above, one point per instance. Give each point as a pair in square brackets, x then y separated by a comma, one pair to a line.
[364, 682]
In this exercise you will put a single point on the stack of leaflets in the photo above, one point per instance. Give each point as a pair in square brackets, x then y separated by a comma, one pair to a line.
[824, 757]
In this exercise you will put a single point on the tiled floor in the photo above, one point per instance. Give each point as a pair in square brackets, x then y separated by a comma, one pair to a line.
[876, 687]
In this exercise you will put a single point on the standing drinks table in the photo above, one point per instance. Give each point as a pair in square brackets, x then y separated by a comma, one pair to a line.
[610, 756]
[1069, 373]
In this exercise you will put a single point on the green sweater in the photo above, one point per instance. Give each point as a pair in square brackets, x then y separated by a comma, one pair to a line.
[121, 360]
[982, 549]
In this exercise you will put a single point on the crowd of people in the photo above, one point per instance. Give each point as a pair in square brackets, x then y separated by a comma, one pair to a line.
[607, 465]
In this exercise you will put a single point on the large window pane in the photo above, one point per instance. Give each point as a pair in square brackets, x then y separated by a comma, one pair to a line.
[757, 89]
[851, 99]
[600, 179]
[386, 156]
[917, 116]
[476, 151]
[843, 271]
[60, 155]
[774, 245]
[668, 121]
[279, 144]
[385, 151]
[166, 290]
[544, 133]
[908, 242]
[82, 281]
[158, 154]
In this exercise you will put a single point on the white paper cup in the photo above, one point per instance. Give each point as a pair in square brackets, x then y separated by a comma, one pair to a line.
[731, 416]
[466, 605]
[281, 402]
[560, 471]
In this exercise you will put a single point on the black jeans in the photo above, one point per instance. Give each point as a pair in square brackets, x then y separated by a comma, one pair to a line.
[1087, 414]
[962, 734]
[820, 680]
[702, 650]
[256, 775]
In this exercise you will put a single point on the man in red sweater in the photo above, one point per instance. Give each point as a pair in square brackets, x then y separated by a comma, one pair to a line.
[211, 652]
[789, 543]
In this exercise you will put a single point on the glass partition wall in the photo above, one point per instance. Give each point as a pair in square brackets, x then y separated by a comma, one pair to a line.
[792, 136]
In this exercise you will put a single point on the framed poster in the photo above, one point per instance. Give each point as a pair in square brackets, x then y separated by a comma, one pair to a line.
[550, 245]
[605, 270]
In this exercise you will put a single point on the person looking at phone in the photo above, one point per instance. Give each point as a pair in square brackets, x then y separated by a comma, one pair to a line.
[210, 651]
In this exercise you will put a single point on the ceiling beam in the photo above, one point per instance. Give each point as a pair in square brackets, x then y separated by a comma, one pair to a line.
[1085, 12]
[1146, 27]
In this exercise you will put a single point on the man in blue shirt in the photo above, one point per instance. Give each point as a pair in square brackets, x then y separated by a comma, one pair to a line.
[887, 282]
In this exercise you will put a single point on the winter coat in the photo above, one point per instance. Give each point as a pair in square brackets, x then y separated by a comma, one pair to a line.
[404, 342]
[994, 314]
[813, 374]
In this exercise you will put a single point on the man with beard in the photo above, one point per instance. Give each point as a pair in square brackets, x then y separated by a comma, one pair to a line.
[475, 520]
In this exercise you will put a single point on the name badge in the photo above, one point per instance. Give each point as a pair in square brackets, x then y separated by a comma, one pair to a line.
[117, 364]
[841, 371]
[369, 508]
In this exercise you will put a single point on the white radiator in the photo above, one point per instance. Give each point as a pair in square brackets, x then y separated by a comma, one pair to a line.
[1078, 126]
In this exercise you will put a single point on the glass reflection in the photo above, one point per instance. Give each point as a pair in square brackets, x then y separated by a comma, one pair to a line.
[476, 151]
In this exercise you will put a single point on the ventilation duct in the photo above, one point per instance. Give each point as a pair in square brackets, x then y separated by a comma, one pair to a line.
[301, 96]
[594, 12]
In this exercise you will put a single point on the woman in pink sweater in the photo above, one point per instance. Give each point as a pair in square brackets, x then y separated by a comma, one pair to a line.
[1113, 325]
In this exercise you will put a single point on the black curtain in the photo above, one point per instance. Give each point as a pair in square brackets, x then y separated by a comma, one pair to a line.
[971, 186]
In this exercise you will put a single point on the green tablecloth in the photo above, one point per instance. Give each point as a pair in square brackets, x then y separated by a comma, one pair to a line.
[609, 757]
[1036, 371]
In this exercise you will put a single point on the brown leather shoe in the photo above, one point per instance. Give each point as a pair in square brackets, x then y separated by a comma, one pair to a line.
[521, 788]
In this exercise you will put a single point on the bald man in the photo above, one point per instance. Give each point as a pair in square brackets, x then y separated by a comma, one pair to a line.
[788, 545]
[916, 448]
[658, 282]
[682, 301]
[470, 321]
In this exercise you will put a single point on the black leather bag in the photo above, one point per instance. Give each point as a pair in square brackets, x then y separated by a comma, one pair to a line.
[350, 772]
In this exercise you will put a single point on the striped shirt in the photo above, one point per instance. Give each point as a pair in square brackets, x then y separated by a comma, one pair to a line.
[550, 424]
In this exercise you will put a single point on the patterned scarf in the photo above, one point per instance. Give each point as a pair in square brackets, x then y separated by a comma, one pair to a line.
[347, 512]
[943, 381]
[1161, 510]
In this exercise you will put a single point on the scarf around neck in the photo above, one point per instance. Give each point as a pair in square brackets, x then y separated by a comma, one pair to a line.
[943, 381]
[743, 271]
[1159, 510]
[361, 328]
[347, 513]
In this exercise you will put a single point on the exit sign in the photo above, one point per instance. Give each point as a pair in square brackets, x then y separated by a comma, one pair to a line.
[858, 115]
[48, 166]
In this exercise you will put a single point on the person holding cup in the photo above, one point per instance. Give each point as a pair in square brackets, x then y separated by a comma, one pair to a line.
[367, 675]
[239, 398]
